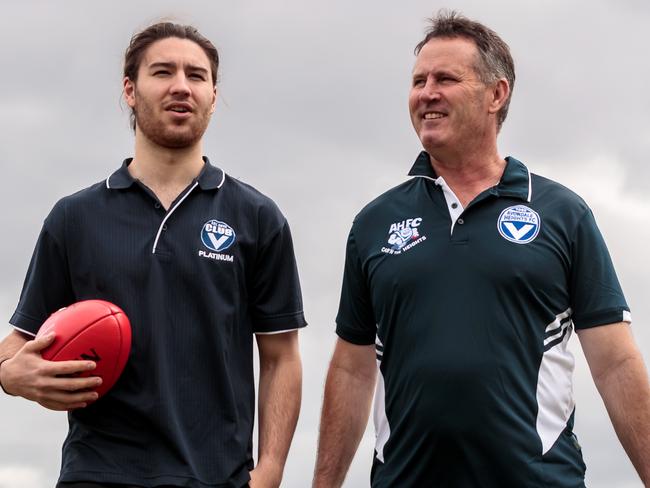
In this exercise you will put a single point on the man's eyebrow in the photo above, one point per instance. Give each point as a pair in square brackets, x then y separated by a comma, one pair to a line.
[446, 72]
[161, 64]
[200, 69]
[443, 71]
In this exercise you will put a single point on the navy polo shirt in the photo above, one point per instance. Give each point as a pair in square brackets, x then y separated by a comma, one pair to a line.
[196, 281]
[470, 310]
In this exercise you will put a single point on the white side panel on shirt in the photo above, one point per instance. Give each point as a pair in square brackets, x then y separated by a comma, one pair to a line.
[555, 383]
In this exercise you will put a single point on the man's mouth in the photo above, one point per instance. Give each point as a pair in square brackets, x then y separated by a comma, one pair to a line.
[179, 108]
[434, 115]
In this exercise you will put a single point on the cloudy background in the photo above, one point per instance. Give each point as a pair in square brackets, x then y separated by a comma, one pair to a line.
[313, 112]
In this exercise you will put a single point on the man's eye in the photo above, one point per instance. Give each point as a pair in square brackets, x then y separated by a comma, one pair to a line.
[197, 76]
[160, 72]
[419, 82]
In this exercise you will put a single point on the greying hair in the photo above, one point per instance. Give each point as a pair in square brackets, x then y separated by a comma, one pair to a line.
[494, 58]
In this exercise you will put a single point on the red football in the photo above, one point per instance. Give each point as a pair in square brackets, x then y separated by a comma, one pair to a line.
[93, 330]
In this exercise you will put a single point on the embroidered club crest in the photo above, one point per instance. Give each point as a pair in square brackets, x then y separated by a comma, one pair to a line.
[519, 224]
[217, 236]
[403, 235]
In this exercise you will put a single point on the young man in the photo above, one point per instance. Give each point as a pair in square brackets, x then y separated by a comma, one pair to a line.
[199, 262]
[463, 286]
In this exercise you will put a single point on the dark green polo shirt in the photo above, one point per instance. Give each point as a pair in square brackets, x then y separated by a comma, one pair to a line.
[471, 311]
[196, 281]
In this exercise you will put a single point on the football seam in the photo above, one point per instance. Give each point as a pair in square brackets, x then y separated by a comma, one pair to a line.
[111, 314]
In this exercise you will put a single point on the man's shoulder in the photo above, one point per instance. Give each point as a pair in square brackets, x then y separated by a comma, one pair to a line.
[87, 194]
[70, 206]
[252, 203]
[557, 205]
[247, 195]
[546, 190]
[80, 199]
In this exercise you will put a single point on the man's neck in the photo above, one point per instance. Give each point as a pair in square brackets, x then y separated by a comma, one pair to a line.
[166, 172]
[468, 173]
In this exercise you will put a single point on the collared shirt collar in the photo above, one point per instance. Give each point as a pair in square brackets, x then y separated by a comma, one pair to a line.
[515, 181]
[209, 178]
[121, 179]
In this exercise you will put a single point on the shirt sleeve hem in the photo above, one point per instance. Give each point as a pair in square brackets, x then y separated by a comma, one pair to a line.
[603, 317]
[279, 323]
[354, 336]
[276, 332]
[24, 323]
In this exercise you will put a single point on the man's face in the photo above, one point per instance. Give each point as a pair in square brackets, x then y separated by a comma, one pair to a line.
[174, 95]
[449, 105]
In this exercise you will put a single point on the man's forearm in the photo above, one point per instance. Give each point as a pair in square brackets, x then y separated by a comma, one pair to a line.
[346, 407]
[626, 395]
[280, 390]
[9, 346]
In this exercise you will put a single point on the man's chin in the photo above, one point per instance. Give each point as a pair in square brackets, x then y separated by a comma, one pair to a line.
[178, 143]
[172, 136]
[176, 139]
[432, 141]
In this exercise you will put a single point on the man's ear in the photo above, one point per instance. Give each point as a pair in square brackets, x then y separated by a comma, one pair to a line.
[214, 100]
[500, 94]
[128, 90]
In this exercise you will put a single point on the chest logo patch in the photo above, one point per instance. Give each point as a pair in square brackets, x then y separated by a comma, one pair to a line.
[217, 236]
[403, 236]
[519, 224]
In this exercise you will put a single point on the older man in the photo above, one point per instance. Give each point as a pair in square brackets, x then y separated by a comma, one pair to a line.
[462, 287]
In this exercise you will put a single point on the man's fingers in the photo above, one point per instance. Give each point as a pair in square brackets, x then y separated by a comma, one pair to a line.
[62, 407]
[62, 368]
[67, 398]
[75, 384]
[63, 400]
[39, 343]
[59, 407]
[57, 385]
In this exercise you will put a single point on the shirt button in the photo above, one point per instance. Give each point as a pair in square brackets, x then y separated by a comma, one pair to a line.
[165, 227]
[157, 205]
[454, 205]
[460, 221]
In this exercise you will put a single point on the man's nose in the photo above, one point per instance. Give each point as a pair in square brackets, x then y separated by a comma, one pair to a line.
[431, 90]
[180, 84]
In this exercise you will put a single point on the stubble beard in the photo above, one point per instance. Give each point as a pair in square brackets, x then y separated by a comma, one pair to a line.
[168, 135]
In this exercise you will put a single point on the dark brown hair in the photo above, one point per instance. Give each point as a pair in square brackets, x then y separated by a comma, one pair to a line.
[494, 58]
[162, 30]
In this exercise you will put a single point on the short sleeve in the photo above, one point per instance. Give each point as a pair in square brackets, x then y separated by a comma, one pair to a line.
[596, 295]
[275, 297]
[355, 321]
[47, 284]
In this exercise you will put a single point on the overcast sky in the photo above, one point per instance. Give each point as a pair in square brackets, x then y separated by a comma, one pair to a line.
[313, 112]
